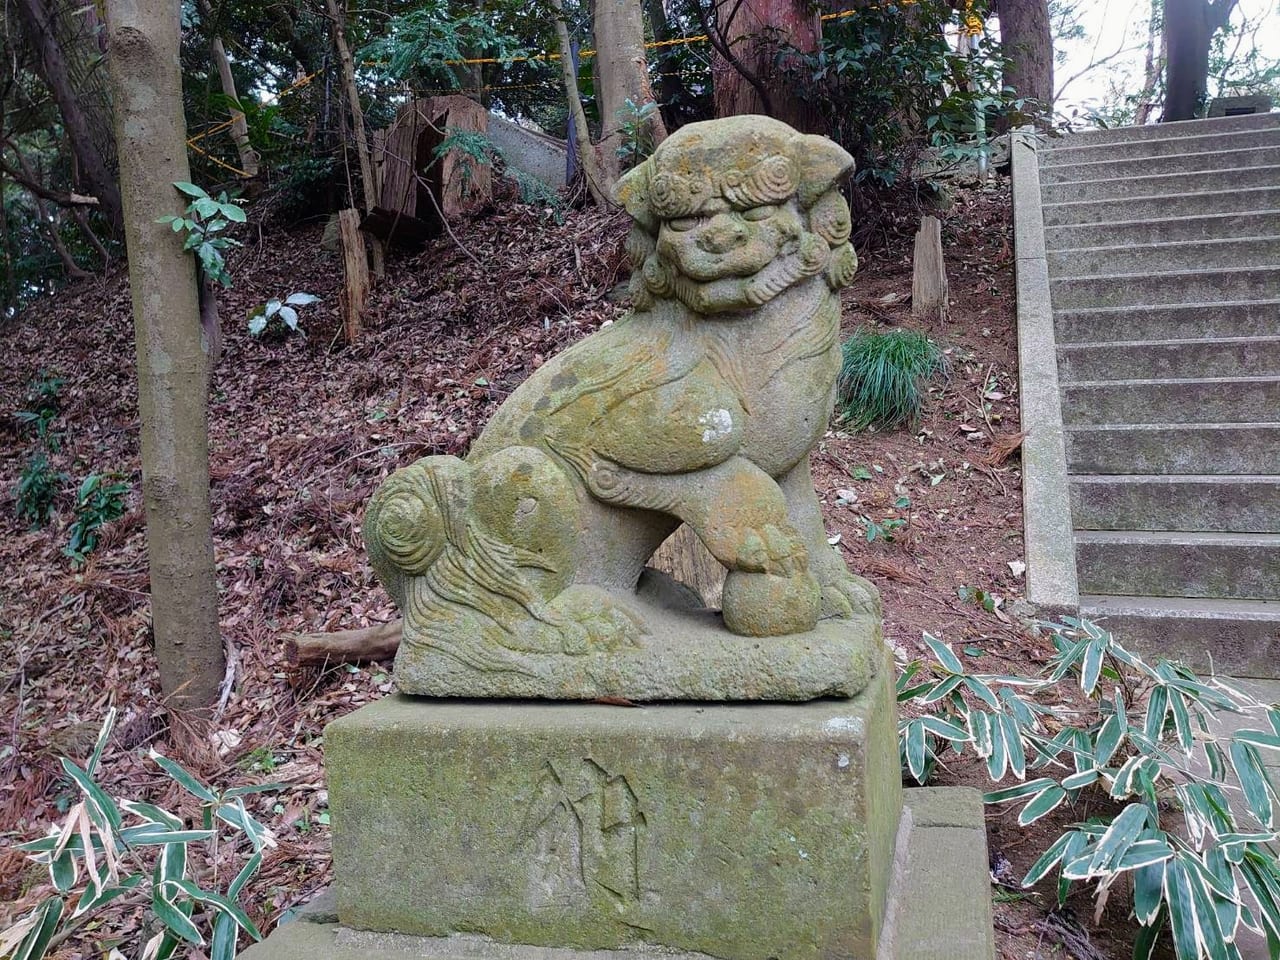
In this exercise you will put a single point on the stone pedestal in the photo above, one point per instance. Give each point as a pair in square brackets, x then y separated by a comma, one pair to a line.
[741, 831]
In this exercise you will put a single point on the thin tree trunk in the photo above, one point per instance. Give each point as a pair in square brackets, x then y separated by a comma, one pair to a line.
[1152, 68]
[173, 357]
[239, 127]
[624, 76]
[82, 221]
[357, 126]
[597, 185]
[672, 94]
[50, 224]
[1027, 44]
[1189, 26]
[98, 176]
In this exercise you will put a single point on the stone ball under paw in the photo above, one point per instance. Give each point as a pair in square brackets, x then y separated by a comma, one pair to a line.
[765, 605]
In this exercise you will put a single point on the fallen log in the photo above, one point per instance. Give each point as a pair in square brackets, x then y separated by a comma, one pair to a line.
[377, 642]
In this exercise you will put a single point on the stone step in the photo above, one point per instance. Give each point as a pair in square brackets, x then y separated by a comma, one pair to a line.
[1207, 180]
[1174, 448]
[1165, 359]
[1220, 399]
[1214, 226]
[1233, 566]
[1076, 211]
[1144, 289]
[1125, 167]
[1174, 321]
[1072, 151]
[1164, 257]
[1204, 503]
[1239, 638]
[1169, 131]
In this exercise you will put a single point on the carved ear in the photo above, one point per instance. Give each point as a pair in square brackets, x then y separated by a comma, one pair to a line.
[823, 164]
[632, 191]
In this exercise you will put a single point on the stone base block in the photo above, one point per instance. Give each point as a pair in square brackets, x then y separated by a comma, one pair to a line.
[939, 906]
[740, 831]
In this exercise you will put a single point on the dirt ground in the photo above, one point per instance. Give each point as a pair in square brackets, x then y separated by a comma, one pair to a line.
[302, 430]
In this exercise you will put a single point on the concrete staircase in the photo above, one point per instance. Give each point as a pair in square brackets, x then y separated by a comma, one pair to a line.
[1162, 246]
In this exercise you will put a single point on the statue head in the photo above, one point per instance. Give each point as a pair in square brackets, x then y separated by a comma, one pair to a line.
[729, 213]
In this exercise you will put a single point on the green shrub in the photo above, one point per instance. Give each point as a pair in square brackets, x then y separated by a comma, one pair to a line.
[882, 377]
[1139, 753]
[37, 488]
[140, 856]
[99, 501]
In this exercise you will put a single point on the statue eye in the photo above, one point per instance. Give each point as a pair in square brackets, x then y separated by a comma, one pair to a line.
[682, 224]
[756, 214]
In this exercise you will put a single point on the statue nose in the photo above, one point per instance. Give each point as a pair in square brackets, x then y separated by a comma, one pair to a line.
[722, 234]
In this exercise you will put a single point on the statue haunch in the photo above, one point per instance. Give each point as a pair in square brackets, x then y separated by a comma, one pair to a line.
[700, 406]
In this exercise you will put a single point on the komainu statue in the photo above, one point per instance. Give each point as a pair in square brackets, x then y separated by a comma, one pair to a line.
[521, 571]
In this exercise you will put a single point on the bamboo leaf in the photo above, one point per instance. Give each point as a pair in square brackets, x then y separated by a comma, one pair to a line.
[1091, 666]
[1042, 804]
[36, 942]
[101, 743]
[1148, 892]
[1117, 839]
[107, 816]
[175, 921]
[1013, 746]
[949, 661]
[1253, 782]
[183, 778]
[1030, 788]
[1182, 913]
[1047, 860]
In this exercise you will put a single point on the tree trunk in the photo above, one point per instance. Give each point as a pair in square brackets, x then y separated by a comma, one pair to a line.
[173, 357]
[929, 298]
[597, 183]
[1152, 68]
[357, 126]
[1189, 26]
[745, 73]
[624, 76]
[1027, 43]
[239, 128]
[98, 177]
[355, 269]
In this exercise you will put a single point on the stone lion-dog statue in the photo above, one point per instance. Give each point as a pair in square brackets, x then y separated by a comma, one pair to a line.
[521, 570]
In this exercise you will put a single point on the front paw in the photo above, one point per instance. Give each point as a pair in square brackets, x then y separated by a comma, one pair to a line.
[594, 621]
[770, 549]
[849, 596]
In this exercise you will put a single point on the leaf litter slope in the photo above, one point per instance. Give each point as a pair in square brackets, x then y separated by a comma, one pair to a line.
[303, 430]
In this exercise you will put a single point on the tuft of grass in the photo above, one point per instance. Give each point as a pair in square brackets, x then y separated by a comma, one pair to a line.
[883, 376]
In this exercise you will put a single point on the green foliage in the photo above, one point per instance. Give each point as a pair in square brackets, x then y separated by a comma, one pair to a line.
[882, 377]
[886, 529]
[204, 221]
[418, 44]
[43, 395]
[1188, 816]
[890, 85]
[99, 500]
[134, 854]
[278, 318]
[634, 126]
[37, 488]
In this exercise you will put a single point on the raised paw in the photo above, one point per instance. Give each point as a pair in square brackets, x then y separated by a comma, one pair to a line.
[770, 549]
[849, 596]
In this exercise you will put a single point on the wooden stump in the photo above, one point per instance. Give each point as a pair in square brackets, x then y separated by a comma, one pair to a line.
[929, 273]
[355, 264]
[684, 557]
